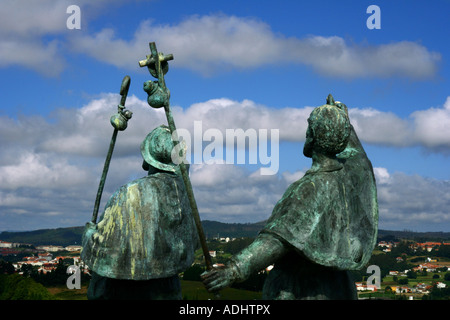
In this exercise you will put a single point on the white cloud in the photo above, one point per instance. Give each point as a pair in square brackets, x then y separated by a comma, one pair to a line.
[382, 175]
[225, 114]
[34, 34]
[86, 132]
[377, 127]
[23, 24]
[334, 57]
[412, 201]
[208, 44]
[29, 31]
[231, 193]
[41, 171]
[432, 127]
[49, 171]
[36, 55]
[427, 128]
[25, 18]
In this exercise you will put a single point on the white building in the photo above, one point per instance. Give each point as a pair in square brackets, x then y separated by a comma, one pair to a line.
[50, 248]
[73, 248]
[4, 244]
[47, 256]
[363, 287]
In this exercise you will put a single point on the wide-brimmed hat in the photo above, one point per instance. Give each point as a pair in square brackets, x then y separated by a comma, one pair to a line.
[156, 149]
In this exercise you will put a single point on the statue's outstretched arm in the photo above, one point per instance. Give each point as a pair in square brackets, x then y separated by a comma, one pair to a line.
[265, 250]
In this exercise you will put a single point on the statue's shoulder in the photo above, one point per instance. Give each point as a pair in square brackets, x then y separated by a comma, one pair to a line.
[151, 179]
[311, 179]
[301, 189]
[137, 184]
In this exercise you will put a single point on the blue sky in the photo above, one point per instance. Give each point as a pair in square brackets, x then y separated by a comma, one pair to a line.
[250, 65]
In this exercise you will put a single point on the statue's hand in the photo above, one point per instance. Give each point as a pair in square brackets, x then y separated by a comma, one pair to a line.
[218, 278]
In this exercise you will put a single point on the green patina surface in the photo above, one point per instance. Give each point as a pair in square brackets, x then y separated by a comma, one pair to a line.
[325, 224]
[146, 231]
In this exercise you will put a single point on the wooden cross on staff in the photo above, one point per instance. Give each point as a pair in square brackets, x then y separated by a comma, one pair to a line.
[158, 66]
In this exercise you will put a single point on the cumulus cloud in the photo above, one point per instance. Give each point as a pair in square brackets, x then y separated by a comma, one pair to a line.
[225, 114]
[412, 201]
[231, 193]
[86, 131]
[29, 32]
[49, 171]
[208, 44]
[377, 127]
[432, 127]
[25, 18]
[23, 24]
[426, 128]
[34, 35]
[31, 53]
[332, 56]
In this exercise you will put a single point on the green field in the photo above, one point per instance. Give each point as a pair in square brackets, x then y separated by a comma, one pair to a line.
[389, 281]
[194, 290]
[191, 290]
[428, 279]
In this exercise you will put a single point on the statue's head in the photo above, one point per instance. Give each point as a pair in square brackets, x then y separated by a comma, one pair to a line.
[156, 149]
[328, 130]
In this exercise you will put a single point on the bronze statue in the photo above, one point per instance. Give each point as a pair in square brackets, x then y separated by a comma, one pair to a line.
[159, 97]
[146, 235]
[324, 225]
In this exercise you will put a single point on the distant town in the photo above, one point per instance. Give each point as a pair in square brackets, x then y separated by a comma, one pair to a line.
[41, 257]
[426, 268]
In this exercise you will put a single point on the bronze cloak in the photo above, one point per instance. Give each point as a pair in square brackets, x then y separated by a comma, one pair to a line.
[331, 216]
[146, 231]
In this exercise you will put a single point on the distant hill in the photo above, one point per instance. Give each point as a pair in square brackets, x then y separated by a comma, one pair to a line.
[411, 235]
[212, 229]
[58, 237]
[215, 229]
[72, 235]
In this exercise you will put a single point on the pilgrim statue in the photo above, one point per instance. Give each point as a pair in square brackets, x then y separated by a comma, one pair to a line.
[324, 225]
[146, 235]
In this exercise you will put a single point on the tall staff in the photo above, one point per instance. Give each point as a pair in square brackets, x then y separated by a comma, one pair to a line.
[120, 122]
[158, 66]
